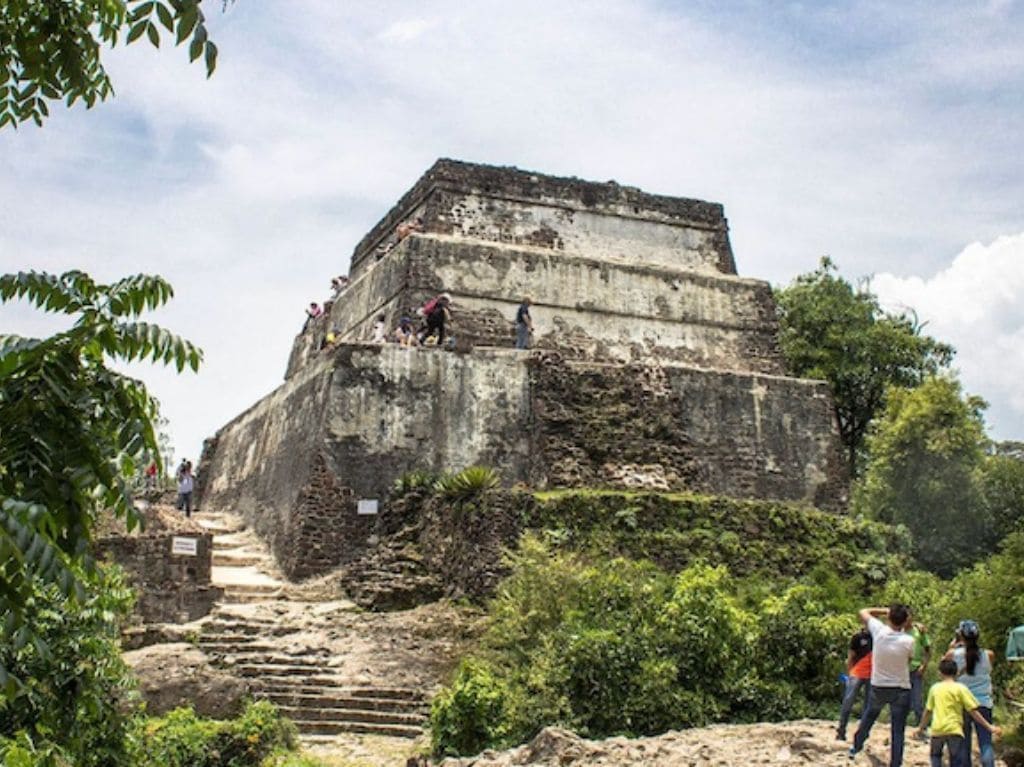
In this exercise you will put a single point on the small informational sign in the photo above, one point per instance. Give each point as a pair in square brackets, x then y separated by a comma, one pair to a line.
[187, 547]
[366, 506]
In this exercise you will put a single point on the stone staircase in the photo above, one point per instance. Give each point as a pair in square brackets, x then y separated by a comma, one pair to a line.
[268, 647]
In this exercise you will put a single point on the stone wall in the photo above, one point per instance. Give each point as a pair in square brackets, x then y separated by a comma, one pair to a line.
[681, 428]
[342, 429]
[171, 588]
[359, 416]
[565, 215]
[583, 307]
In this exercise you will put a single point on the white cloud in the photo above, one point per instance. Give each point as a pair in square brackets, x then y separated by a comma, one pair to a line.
[405, 30]
[249, 190]
[977, 304]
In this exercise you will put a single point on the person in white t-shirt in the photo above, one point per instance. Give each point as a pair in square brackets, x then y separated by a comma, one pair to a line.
[892, 649]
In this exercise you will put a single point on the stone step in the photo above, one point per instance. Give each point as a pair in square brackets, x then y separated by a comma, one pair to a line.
[216, 529]
[235, 625]
[250, 588]
[308, 674]
[392, 693]
[233, 596]
[277, 660]
[247, 649]
[280, 695]
[352, 715]
[314, 727]
[229, 558]
[239, 639]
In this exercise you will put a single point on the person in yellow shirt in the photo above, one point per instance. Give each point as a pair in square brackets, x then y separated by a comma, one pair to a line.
[948, 701]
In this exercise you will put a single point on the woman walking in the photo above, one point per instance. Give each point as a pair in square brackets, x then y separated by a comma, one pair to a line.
[975, 672]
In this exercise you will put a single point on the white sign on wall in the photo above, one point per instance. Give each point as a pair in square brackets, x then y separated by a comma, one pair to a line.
[366, 506]
[188, 547]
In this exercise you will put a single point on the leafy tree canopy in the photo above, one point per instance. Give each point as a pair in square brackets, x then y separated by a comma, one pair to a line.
[50, 49]
[72, 430]
[829, 329]
[927, 450]
[1002, 487]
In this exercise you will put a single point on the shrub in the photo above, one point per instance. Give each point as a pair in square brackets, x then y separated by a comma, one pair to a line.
[75, 699]
[182, 739]
[800, 642]
[471, 713]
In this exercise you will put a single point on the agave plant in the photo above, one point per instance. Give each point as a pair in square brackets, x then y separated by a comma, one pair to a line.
[467, 483]
[415, 480]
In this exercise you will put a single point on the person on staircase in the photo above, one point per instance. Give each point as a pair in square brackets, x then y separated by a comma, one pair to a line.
[186, 484]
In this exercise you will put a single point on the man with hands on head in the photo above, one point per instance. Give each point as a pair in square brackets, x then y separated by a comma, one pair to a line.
[890, 676]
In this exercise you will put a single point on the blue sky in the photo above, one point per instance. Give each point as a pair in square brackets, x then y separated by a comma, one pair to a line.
[886, 135]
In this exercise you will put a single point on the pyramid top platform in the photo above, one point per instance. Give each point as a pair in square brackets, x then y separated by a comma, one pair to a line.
[600, 220]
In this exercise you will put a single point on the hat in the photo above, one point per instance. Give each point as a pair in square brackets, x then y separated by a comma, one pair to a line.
[968, 629]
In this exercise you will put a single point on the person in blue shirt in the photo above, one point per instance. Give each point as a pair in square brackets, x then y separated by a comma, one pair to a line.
[975, 673]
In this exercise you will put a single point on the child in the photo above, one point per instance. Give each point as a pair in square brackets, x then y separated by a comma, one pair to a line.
[948, 701]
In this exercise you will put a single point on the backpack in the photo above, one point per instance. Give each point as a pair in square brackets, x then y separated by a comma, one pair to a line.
[429, 307]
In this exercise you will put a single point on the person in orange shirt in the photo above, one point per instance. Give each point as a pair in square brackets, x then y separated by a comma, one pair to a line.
[858, 675]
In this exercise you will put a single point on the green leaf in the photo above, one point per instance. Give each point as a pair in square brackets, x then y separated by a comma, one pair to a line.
[166, 17]
[211, 58]
[153, 34]
[137, 31]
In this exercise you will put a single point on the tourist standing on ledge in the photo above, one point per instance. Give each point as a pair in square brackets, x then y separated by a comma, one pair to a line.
[524, 324]
[437, 314]
[339, 284]
[406, 228]
[313, 311]
[892, 649]
[380, 332]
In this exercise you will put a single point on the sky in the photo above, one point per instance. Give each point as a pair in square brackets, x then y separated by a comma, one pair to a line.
[884, 135]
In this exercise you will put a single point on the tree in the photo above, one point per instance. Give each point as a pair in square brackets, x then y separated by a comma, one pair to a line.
[50, 49]
[832, 331]
[72, 431]
[926, 451]
[1002, 487]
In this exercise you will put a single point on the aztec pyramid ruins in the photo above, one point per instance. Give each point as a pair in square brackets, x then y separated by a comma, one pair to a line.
[653, 366]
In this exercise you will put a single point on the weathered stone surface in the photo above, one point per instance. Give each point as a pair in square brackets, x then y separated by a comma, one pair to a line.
[584, 307]
[173, 675]
[655, 366]
[170, 588]
[604, 220]
[344, 428]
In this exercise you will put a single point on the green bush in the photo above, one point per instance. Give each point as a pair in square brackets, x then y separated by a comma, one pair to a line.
[622, 648]
[75, 699]
[182, 739]
[469, 715]
[801, 639]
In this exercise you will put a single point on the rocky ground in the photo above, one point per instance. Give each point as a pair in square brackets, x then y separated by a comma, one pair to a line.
[806, 742]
